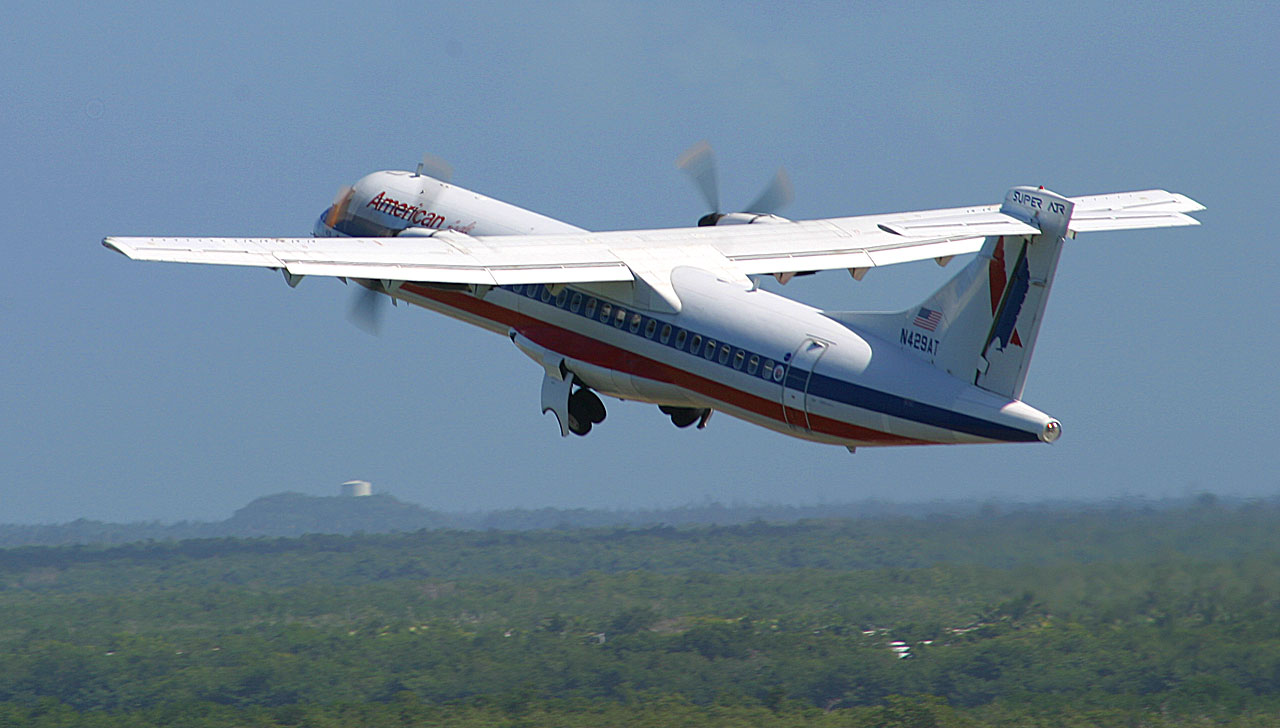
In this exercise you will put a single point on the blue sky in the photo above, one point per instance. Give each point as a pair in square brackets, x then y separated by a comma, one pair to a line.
[132, 391]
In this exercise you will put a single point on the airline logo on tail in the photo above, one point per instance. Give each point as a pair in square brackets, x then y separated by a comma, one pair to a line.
[1007, 296]
[1035, 202]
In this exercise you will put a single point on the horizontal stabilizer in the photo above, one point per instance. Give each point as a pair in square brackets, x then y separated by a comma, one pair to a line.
[1132, 211]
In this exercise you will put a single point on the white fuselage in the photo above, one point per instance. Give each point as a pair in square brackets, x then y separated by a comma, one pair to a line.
[755, 355]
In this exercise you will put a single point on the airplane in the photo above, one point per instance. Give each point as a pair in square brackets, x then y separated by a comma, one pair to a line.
[675, 317]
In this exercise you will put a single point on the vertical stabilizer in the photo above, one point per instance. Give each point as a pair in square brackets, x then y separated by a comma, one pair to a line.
[981, 325]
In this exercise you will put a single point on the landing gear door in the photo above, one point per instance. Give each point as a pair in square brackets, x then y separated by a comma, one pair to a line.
[795, 385]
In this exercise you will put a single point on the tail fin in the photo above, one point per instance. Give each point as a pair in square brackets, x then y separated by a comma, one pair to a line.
[981, 326]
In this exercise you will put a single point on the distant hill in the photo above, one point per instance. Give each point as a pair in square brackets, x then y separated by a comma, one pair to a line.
[294, 514]
[280, 515]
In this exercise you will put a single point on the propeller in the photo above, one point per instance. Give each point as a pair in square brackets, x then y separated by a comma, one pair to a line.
[699, 162]
[436, 167]
[338, 210]
[367, 306]
[778, 194]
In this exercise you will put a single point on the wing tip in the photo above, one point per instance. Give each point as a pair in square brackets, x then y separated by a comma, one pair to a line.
[110, 244]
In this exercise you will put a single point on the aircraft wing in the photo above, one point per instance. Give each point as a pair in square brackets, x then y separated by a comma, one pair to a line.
[445, 258]
[735, 250]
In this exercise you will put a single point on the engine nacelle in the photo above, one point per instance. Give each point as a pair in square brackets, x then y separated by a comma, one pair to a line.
[417, 232]
[739, 218]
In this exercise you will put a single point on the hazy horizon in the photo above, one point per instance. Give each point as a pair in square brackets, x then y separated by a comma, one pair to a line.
[925, 506]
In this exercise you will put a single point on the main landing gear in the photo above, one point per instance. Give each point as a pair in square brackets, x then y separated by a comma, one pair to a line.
[576, 407]
[685, 416]
[585, 410]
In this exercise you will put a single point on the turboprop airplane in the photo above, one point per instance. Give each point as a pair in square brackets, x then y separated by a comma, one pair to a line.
[672, 317]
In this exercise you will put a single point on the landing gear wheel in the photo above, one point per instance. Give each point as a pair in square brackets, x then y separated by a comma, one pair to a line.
[578, 427]
[585, 410]
[681, 416]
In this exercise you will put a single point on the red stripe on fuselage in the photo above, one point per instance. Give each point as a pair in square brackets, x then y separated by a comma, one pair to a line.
[593, 351]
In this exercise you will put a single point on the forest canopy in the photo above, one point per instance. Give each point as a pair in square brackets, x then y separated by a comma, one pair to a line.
[1114, 615]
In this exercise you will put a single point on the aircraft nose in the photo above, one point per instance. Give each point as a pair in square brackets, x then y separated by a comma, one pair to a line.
[321, 229]
[327, 225]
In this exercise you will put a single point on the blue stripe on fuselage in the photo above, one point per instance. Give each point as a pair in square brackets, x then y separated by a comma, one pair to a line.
[854, 395]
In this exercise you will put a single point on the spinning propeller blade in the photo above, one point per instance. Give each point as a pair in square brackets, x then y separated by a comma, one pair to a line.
[436, 167]
[366, 308]
[699, 162]
[776, 196]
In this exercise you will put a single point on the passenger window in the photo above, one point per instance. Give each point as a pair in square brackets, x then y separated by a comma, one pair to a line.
[753, 364]
[636, 320]
[591, 308]
[564, 296]
[710, 352]
[766, 371]
[517, 288]
[665, 336]
[695, 345]
[546, 294]
[738, 358]
[532, 290]
[724, 354]
[649, 328]
[605, 310]
[681, 335]
[620, 318]
[576, 303]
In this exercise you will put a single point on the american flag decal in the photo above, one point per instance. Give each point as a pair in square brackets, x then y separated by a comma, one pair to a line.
[928, 319]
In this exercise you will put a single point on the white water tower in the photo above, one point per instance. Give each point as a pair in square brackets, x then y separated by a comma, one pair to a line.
[356, 488]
